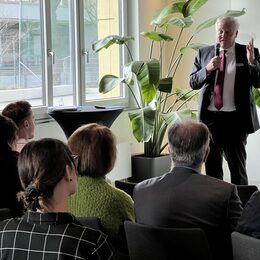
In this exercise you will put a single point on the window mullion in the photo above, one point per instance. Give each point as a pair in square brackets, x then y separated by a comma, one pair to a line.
[78, 51]
[46, 50]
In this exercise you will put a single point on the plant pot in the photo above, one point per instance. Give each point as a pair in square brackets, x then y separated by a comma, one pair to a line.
[148, 167]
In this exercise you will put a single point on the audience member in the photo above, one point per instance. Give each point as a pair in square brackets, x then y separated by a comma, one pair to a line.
[96, 147]
[186, 198]
[47, 170]
[8, 160]
[249, 221]
[21, 113]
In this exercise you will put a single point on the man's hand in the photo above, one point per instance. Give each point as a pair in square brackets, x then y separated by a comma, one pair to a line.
[213, 64]
[250, 52]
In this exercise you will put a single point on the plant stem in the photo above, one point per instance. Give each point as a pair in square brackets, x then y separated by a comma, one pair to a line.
[174, 51]
[152, 43]
[129, 52]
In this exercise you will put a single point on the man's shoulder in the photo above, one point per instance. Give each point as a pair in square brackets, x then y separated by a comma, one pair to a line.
[207, 48]
[150, 182]
[218, 183]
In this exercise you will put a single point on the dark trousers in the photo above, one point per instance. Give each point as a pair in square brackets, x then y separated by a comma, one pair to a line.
[226, 140]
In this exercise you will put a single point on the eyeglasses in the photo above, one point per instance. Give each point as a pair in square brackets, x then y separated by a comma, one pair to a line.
[75, 158]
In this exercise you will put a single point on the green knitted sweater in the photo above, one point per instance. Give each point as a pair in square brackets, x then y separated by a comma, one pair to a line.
[96, 197]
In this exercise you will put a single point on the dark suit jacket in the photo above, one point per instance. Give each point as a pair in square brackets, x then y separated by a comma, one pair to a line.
[185, 198]
[246, 78]
[249, 222]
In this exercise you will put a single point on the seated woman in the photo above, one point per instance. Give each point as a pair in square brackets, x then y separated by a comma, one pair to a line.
[9, 174]
[21, 113]
[249, 221]
[96, 147]
[47, 231]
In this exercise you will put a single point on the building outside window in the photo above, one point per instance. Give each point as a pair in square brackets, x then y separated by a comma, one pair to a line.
[46, 52]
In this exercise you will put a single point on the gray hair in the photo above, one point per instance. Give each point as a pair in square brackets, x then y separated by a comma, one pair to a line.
[228, 20]
[188, 143]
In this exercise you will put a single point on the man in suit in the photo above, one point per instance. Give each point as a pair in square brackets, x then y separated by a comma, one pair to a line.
[186, 198]
[236, 117]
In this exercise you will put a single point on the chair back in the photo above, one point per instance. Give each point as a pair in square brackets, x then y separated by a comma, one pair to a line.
[153, 243]
[245, 192]
[245, 247]
[126, 186]
[5, 213]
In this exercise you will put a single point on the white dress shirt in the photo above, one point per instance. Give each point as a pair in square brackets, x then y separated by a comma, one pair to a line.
[229, 83]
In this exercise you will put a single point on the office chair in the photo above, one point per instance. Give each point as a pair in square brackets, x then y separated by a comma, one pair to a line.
[4, 213]
[245, 192]
[126, 186]
[245, 247]
[153, 243]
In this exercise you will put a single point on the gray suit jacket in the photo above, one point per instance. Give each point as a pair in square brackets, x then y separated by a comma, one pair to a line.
[246, 78]
[185, 198]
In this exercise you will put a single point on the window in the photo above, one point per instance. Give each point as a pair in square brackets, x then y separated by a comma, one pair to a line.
[46, 52]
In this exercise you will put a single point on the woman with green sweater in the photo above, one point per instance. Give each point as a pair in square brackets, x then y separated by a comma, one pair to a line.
[96, 147]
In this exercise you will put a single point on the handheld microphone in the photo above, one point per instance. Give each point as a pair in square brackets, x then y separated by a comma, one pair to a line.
[217, 49]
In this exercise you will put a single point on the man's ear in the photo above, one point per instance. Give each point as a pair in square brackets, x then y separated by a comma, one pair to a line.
[206, 154]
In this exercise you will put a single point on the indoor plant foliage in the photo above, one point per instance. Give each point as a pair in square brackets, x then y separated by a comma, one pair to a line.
[159, 104]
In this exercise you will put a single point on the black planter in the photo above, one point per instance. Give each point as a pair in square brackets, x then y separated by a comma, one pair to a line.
[148, 167]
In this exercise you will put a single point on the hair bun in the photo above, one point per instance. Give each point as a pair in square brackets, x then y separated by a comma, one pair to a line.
[30, 193]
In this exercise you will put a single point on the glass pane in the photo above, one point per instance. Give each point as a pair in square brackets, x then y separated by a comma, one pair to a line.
[61, 46]
[101, 18]
[20, 52]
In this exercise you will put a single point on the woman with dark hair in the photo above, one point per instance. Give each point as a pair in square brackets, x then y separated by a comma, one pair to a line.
[47, 170]
[9, 174]
[21, 113]
[96, 147]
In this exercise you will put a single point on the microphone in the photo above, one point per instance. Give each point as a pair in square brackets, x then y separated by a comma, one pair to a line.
[217, 49]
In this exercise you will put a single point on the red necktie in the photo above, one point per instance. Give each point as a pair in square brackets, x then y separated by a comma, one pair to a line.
[218, 89]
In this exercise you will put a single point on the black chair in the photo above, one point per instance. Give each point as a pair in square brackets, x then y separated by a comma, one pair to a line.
[5, 213]
[245, 247]
[126, 186]
[153, 243]
[245, 192]
[92, 222]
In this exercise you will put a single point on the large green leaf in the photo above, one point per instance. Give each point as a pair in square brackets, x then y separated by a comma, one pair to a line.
[256, 93]
[165, 85]
[156, 36]
[235, 13]
[142, 122]
[194, 46]
[109, 82]
[176, 116]
[192, 6]
[180, 22]
[110, 40]
[148, 74]
[210, 22]
[175, 7]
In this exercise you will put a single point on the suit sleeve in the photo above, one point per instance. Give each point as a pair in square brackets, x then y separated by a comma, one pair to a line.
[234, 209]
[199, 75]
[255, 70]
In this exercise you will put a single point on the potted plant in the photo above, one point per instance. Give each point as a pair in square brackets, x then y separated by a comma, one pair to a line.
[158, 102]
